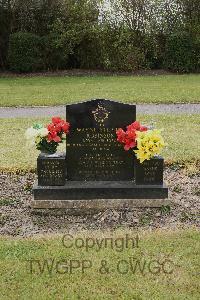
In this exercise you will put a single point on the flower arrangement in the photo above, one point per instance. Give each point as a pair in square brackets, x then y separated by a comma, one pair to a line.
[146, 142]
[149, 144]
[128, 137]
[47, 138]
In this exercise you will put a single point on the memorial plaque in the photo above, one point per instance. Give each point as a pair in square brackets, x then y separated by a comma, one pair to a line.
[92, 150]
[51, 169]
[150, 172]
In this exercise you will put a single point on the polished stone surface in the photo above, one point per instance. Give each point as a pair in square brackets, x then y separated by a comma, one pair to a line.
[51, 169]
[80, 190]
[149, 172]
[92, 150]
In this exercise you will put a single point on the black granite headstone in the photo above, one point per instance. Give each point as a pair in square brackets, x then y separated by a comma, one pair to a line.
[96, 165]
[92, 151]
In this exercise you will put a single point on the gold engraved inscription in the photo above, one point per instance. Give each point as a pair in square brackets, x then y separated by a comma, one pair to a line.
[98, 152]
[50, 170]
[150, 171]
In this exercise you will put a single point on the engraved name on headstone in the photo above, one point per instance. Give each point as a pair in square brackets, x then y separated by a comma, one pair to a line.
[51, 170]
[92, 151]
[150, 171]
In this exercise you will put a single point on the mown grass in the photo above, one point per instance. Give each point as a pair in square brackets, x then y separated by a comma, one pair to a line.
[168, 261]
[181, 132]
[17, 91]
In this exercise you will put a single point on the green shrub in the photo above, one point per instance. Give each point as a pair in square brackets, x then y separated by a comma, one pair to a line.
[152, 47]
[181, 53]
[126, 58]
[62, 34]
[55, 56]
[121, 50]
[197, 52]
[25, 52]
[88, 54]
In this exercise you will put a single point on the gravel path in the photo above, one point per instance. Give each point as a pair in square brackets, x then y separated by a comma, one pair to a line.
[28, 112]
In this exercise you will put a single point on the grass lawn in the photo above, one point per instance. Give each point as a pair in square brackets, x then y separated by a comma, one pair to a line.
[181, 132]
[163, 266]
[17, 91]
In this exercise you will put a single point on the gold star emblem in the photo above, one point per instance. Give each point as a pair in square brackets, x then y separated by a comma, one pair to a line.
[100, 114]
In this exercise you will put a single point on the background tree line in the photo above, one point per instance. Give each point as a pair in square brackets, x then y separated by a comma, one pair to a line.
[123, 35]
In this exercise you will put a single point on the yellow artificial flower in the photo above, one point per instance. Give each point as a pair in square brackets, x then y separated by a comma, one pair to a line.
[149, 143]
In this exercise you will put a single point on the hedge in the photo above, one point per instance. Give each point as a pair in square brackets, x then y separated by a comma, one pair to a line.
[182, 52]
[25, 52]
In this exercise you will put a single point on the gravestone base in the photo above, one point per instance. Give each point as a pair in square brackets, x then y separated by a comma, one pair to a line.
[88, 206]
[99, 193]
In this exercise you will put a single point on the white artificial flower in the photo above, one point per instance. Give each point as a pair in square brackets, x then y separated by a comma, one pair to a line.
[42, 132]
[31, 133]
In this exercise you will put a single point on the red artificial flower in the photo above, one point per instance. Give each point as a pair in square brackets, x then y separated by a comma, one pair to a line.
[65, 127]
[52, 136]
[56, 129]
[143, 128]
[129, 144]
[51, 127]
[134, 126]
[56, 120]
[128, 137]
[121, 134]
[58, 125]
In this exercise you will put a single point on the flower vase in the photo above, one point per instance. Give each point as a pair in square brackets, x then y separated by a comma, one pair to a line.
[49, 154]
[150, 172]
